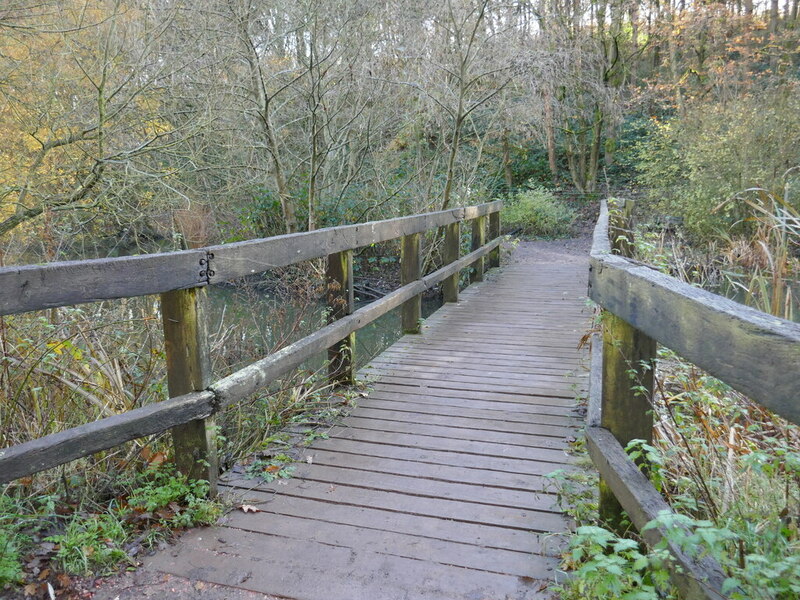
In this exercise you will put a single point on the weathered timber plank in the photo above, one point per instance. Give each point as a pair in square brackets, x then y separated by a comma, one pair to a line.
[59, 448]
[37, 287]
[507, 425]
[524, 519]
[488, 536]
[464, 447]
[411, 483]
[548, 389]
[433, 410]
[532, 397]
[313, 571]
[256, 256]
[467, 373]
[698, 577]
[444, 552]
[547, 436]
[436, 472]
[458, 402]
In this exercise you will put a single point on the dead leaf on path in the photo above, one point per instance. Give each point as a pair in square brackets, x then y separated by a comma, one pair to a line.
[249, 508]
[31, 589]
[199, 586]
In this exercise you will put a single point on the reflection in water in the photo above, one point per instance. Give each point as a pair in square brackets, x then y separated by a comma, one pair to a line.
[246, 324]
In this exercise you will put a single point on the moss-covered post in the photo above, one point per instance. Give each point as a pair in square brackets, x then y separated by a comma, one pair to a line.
[450, 253]
[494, 232]
[410, 271]
[628, 363]
[189, 370]
[478, 240]
[341, 302]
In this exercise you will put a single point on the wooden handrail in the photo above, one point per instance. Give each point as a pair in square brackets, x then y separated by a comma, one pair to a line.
[189, 413]
[753, 352]
[39, 287]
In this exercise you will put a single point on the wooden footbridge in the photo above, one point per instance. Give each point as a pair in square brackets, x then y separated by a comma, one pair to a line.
[433, 486]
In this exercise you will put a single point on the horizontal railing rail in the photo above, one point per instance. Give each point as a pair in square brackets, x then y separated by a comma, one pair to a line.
[38, 287]
[193, 398]
[755, 353]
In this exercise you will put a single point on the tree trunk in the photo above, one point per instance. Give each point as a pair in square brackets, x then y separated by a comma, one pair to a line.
[550, 132]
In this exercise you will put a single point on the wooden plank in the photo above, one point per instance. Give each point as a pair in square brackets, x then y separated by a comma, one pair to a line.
[426, 470]
[497, 423]
[488, 536]
[457, 401]
[761, 356]
[414, 404]
[532, 397]
[243, 259]
[547, 389]
[466, 373]
[464, 447]
[457, 511]
[59, 448]
[189, 370]
[545, 436]
[418, 547]
[410, 270]
[504, 463]
[314, 571]
[411, 483]
[697, 577]
[38, 287]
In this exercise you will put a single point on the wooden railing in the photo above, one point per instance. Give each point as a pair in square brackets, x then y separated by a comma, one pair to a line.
[180, 279]
[753, 352]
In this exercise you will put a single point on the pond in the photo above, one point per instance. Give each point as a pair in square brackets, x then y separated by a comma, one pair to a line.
[246, 324]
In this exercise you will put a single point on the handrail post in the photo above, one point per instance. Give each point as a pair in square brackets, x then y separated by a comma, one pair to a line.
[451, 253]
[628, 364]
[478, 240]
[341, 303]
[494, 232]
[410, 271]
[189, 370]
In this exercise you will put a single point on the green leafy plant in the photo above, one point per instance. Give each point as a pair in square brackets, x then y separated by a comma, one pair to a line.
[538, 212]
[91, 543]
[174, 500]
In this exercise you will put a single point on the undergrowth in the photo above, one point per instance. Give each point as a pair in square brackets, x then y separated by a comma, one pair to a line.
[538, 212]
[46, 540]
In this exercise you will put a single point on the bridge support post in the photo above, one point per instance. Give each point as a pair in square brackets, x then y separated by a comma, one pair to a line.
[410, 271]
[494, 232]
[189, 370]
[341, 303]
[478, 240]
[450, 253]
[627, 412]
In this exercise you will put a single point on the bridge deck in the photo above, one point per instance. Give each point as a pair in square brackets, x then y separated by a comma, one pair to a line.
[433, 487]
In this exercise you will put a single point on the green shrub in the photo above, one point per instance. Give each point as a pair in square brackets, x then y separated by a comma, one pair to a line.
[538, 212]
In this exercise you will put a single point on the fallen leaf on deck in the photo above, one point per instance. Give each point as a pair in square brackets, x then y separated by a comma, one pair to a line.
[249, 509]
